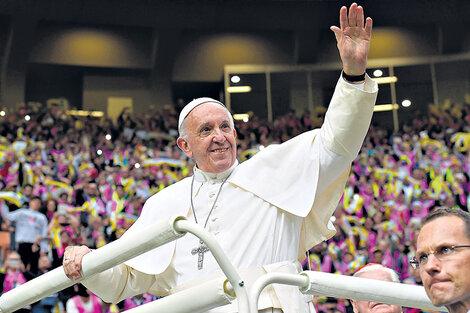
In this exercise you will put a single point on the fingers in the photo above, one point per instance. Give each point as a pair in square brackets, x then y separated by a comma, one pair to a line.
[352, 15]
[337, 32]
[360, 16]
[369, 26]
[73, 261]
[343, 18]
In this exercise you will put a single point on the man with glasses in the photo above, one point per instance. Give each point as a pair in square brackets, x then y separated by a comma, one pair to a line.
[443, 258]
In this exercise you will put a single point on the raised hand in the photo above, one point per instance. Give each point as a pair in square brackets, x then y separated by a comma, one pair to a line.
[353, 39]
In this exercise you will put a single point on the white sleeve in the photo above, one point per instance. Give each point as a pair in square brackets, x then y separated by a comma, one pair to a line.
[118, 283]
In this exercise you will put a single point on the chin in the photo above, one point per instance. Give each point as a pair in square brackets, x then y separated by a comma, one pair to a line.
[222, 166]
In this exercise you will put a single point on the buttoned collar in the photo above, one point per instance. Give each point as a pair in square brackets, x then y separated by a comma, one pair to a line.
[201, 176]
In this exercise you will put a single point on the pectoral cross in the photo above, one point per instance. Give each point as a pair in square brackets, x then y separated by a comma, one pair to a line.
[200, 253]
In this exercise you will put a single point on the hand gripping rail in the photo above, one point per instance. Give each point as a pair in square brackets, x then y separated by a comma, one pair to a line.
[116, 253]
[348, 287]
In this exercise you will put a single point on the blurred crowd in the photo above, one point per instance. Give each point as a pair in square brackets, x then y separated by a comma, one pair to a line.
[72, 180]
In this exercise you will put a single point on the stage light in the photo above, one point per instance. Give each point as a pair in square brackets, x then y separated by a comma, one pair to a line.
[241, 117]
[406, 103]
[386, 80]
[235, 79]
[2, 113]
[137, 165]
[99, 152]
[385, 107]
[107, 137]
[378, 73]
[238, 89]
[27, 117]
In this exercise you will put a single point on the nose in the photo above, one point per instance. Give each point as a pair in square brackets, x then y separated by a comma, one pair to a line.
[219, 136]
[433, 264]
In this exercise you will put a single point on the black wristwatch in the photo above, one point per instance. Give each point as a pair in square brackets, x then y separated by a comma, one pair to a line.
[354, 78]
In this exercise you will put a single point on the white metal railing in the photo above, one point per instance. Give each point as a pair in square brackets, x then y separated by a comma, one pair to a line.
[219, 291]
[122, 250]
[348, 287]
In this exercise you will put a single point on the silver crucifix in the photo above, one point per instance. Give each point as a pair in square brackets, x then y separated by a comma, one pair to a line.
[200, 253]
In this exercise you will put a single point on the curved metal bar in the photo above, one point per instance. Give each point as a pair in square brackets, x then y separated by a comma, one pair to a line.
[271, 278]
[339, 286]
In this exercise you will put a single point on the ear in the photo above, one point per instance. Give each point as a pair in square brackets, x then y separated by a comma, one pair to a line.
[354, 305]
[184, 146]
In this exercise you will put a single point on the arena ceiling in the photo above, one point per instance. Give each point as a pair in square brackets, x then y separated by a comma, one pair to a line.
[228, 14]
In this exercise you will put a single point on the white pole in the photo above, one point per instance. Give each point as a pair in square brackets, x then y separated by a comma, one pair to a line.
[97, 261]
[271, 278]
[349, 287]
[200, 298]
[229, 270]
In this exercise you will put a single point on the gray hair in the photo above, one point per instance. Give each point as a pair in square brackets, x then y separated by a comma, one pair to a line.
[371, 267]
[182, 128]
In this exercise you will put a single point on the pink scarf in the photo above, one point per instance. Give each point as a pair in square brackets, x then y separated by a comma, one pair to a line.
[13, 280]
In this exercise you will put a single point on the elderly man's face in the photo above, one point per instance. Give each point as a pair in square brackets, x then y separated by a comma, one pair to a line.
[211, 139]
[374, 307]
[446, 281]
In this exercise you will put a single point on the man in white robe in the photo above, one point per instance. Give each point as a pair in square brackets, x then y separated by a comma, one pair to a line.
[265, 212]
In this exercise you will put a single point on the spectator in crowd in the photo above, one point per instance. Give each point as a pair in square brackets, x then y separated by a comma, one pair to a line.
[14, 276]
[84, 302]
[30, 225]
[138, 300]
[46, 305]
[443, 254]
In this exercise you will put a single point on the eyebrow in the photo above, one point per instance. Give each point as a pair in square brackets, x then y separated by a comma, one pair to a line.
[436, 247]
[206, 124]
[209, 124]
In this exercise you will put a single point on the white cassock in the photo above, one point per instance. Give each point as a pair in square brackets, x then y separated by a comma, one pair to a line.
[271, 209]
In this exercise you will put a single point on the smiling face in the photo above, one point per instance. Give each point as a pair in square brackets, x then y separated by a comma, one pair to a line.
[210, 138]
[374, 307]
[446, 282]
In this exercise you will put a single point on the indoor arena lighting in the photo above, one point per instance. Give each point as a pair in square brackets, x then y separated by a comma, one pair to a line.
[386, 80]
[239, 89]
[241, 117]
[378, 73]
[406, 103]
[235, 79]
[27, 117]
[385, 107]
[107, 137]
[2, 113]
[85, 113]
[99, 152]
[97, 113]
[137, 165]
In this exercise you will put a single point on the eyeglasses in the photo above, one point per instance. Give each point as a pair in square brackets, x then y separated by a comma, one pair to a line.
[442, 254]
